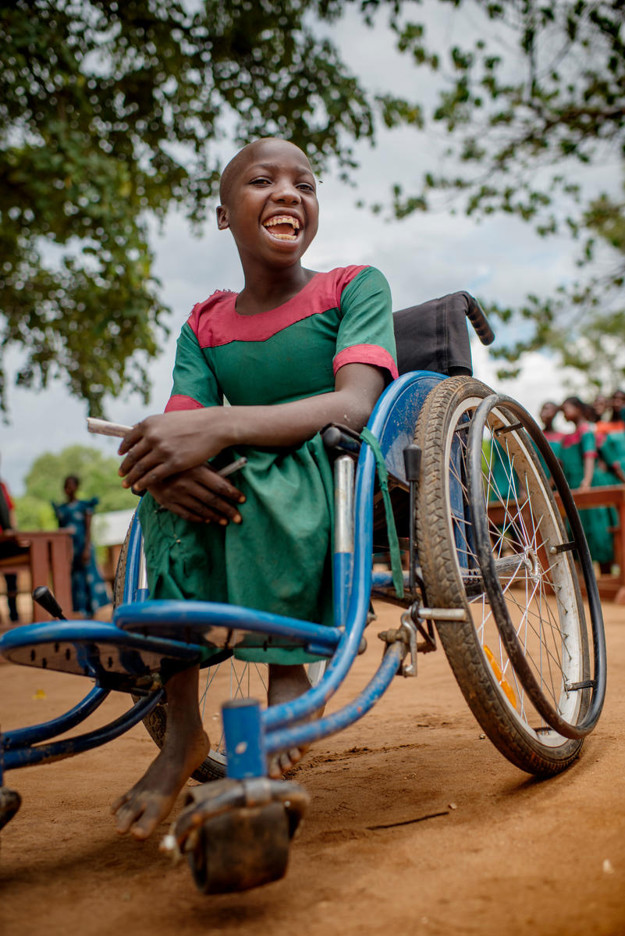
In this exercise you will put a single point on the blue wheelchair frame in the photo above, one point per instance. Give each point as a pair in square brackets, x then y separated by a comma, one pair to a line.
[118, 655]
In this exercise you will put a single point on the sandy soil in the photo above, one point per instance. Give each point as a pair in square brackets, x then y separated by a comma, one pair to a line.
[504, 854]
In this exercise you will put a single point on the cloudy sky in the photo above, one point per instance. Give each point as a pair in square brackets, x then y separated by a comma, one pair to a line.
[423, 256]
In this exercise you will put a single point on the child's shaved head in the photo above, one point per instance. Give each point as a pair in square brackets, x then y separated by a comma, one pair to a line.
[245, 156]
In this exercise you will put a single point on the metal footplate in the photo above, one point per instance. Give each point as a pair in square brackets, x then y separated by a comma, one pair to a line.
[236, 833]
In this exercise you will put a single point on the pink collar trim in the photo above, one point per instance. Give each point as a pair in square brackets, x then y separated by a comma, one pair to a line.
[216, 321]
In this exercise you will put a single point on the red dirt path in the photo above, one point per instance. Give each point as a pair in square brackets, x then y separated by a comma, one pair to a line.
[509, 855]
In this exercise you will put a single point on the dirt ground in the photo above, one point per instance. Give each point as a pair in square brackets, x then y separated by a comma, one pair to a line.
[417, 825]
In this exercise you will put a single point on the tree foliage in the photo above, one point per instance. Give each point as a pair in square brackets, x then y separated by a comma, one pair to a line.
[110, 113]
[532, 108]
[44, 484]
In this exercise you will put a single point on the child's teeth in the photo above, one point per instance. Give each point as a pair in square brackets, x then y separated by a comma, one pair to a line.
[283, 221]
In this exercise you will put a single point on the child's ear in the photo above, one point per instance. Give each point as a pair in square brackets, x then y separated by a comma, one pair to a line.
[222, 217]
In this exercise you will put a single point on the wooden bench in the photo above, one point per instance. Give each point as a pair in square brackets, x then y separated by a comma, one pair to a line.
[47, 557]
[611, 587]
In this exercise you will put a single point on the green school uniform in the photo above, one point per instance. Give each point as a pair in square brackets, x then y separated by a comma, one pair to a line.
[596, 521]
[279, 558]
[611, 449]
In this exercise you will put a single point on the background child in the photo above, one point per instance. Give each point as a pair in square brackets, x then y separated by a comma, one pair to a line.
[579, 462]
[9, 547]
[89, 591]
[293, 351]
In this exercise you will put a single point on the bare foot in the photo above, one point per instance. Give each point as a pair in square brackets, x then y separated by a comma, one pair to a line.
[142, 808]
[285, 684]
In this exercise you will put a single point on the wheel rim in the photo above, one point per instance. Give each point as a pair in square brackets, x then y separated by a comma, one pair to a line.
[541, 598]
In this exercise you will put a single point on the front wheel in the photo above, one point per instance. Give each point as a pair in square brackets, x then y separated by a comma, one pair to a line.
[542, 598]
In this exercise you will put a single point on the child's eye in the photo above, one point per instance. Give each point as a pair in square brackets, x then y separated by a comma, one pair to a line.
[260, 181]
[306, 187]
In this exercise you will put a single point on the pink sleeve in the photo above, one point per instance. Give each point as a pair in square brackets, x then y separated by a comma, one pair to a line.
[367, 354]
[179, 402]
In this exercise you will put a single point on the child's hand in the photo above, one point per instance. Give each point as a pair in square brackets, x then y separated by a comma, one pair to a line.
[164, 445]
[199, 495]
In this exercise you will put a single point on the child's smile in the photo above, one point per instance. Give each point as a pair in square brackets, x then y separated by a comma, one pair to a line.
[283, 227]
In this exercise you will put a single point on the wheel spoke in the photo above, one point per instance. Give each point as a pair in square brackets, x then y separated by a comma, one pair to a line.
[525, 598]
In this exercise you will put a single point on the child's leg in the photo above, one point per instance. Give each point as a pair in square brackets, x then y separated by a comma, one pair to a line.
[185, 747]
[285, 684]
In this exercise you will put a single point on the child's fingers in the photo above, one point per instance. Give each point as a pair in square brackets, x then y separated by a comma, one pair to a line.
[197, 513]
[187, 497]
[180, 502]
[210, 502]
[130, 439]
[213, 482]
[138, 452]
[205, 502]
[146, 472]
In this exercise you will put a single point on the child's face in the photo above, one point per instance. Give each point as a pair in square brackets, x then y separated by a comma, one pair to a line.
[271, 204]
[571, 411]
[548, 412]
[600, 404]
[70, 487]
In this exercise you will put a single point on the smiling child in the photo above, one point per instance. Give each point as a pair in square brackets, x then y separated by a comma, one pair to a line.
[294, 350]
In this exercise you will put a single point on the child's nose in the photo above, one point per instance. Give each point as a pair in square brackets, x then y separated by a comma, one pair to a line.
[286, 194]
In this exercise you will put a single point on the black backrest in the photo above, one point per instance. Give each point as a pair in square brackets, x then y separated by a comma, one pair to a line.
[434, 336]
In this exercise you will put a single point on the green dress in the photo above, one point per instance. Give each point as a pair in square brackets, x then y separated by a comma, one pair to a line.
[555, 440]
[279, 558]
[597, 521]
[504, 484]
[611, 448]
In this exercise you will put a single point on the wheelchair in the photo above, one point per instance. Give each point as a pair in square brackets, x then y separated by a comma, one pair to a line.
[451, 506]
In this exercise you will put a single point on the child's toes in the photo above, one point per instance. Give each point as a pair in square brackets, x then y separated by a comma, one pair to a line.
[294, 756]
[145, 825]
[283, 762]
[126, 817]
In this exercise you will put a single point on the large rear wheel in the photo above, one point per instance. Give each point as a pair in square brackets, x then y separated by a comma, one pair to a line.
[534, 578]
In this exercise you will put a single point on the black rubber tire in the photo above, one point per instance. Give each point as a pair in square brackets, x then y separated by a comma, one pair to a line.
[517, 731]
[229, 679]
[563, 687]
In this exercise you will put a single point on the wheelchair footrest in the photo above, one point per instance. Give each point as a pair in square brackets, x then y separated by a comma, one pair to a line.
[114, 658]
[236, 833]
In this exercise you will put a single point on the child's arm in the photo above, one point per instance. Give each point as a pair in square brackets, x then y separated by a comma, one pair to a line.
[164, 445]
[589, 468]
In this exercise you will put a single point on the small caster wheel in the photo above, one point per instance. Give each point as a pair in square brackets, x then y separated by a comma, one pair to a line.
[241, 849]
[10, 802]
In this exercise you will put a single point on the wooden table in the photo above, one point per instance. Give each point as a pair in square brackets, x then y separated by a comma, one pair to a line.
[48, 558]
[611, 587]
